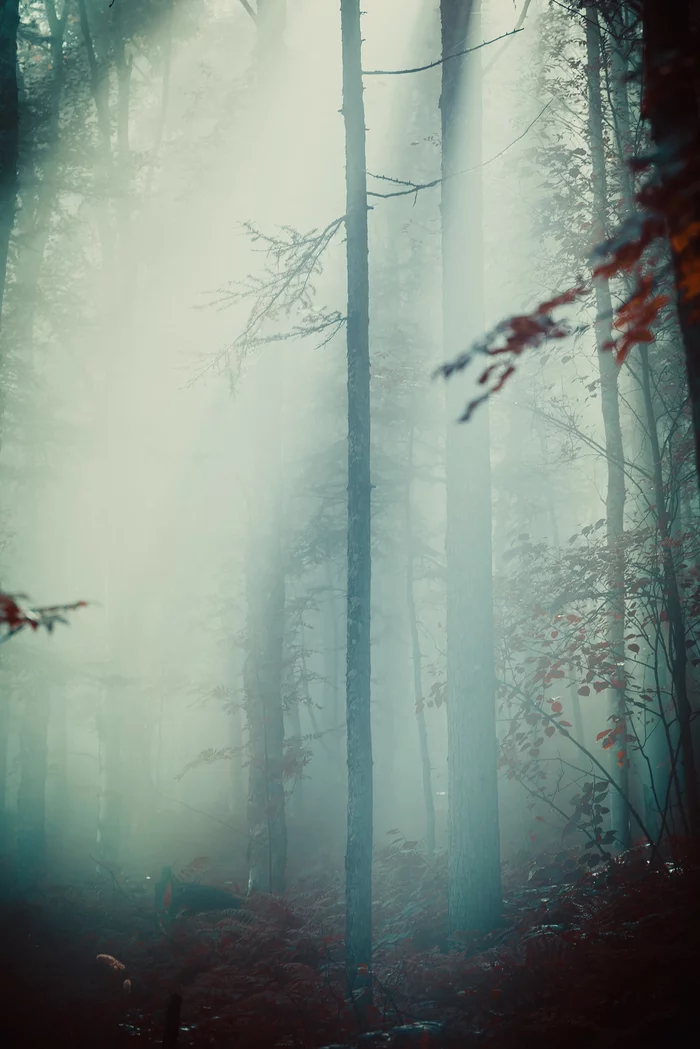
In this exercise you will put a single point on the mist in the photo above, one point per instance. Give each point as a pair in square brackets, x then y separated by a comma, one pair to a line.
[175, 455]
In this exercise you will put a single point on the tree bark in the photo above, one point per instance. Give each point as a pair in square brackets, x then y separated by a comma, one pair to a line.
[31, 799]
[672, 101]
[676, 620]
[265, 592]
[608, 371]
[419, 699]
[265, 585]
[358, 857]
[9, 131]
[474, 872]
[4, 741]
[110, 812]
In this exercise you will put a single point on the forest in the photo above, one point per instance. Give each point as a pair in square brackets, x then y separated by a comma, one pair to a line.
[349, 507]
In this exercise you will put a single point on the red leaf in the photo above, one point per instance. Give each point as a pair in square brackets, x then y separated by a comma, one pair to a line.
[584, 691]
[556, 706]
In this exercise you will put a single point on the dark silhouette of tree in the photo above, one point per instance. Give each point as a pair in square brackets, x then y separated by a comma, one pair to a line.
[358, 860]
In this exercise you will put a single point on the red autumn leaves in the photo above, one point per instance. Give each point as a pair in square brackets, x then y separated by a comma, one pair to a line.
[15, 618]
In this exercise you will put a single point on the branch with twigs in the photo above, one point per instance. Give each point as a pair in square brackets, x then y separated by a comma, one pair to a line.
[293, 261]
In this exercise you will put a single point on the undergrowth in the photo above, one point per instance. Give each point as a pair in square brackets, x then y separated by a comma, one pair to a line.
[577, 959]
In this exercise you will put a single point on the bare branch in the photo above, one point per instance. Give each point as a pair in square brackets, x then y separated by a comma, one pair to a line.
[439, 61]
[415, 187]
[293, 261]
[251, 12]
[518, 24]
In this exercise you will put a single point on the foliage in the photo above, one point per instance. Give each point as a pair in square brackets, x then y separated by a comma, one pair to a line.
[570, 951]
[15, 618]
[636, 254]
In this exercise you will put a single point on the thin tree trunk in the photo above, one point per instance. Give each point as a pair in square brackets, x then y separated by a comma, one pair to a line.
[31, 799]
[676, 619]
[265, 586]
[9, 131]
[419, 699]
[615, 498]
[4, 741]
[576, 707]
[672, 99]
[358, 857]
[58, 811]
[167, 45]
[332, 671]
[474, 871]
[297, 798]
[99, 87]
[110, 812]
[236, 789]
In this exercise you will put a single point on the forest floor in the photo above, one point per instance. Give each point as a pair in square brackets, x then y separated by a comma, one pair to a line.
[582, 961]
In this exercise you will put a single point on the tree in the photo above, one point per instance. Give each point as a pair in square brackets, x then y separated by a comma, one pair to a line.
[473, 818]
[265, 584]
[671, 57]
[358, 858]
[9, 130]
[608, 370]
[419, 698]
[669, 206]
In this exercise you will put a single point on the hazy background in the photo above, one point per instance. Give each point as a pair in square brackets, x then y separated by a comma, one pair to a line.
[139, 442]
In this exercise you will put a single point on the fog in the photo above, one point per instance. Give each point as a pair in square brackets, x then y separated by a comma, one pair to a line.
[161, 426]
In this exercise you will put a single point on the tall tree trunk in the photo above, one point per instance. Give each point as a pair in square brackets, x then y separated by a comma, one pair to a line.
[475, 895]
[419, 699]
[265, 581]
[615, 498]
[576, 706]
[236, 730]
[4, 741]
[38, 202]
[58, 805]
[676, 620]
[9, 131]
[332, 669]
[110, 806]
[99, 87]
[672, 102]
[31, 799]
[358, 857]
[116, 808]
[265, 593]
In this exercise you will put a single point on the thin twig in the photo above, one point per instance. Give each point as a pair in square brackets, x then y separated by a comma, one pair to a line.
[439, 61]
[415, 187]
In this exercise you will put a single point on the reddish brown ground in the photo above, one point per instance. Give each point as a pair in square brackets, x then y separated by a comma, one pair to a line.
[604, 961]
